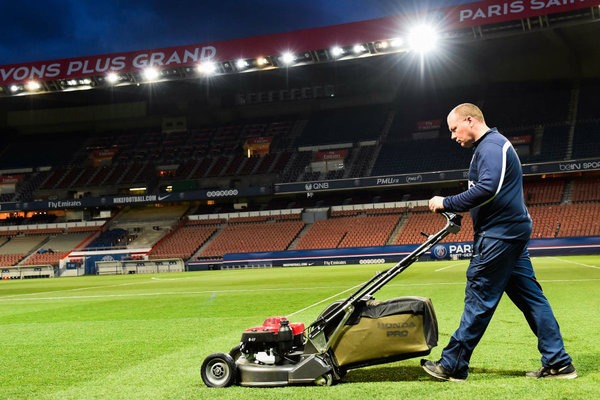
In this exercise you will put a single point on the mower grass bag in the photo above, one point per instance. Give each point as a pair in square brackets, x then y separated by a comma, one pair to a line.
[385, 331]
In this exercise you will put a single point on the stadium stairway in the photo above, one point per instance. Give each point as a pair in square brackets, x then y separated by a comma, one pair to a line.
[299, 236]
[397, 229]
[197, 254]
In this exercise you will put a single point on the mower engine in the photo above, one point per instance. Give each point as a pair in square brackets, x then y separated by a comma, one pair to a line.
[272, 342]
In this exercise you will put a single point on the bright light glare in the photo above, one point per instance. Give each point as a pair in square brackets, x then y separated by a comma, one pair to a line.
[423, 38]
[396, 42]
[207, 68]
[112, 77]
[288, 58]
[151, 74]
[241, 63]
[337, 51]
[14, 88]
[381, 45]
[33, 85]
[358, 48]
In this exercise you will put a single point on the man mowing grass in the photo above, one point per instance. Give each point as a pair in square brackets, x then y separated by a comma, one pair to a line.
[500, 261]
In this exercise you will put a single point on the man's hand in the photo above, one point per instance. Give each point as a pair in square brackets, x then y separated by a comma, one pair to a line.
[436, 204]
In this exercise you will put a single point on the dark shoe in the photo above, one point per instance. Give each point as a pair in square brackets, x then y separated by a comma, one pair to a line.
[566, 372]
[435, 369]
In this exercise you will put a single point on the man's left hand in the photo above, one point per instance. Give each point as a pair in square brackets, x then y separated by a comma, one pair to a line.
[436, 204]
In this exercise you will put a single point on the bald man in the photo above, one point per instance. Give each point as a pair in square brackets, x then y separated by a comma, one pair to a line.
[500, 262]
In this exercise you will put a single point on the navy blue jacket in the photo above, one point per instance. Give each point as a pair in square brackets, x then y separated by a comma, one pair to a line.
[495, 193]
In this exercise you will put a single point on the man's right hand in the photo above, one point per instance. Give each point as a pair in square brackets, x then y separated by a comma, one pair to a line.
[436, 204]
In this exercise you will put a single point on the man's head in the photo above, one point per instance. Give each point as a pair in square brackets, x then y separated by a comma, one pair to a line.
[466, 124]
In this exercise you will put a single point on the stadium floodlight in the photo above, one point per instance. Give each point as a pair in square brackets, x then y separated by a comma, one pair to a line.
[422, 38]
[287, 58]
[359, 49]
[393, 45]
[383, 45]
[207, 68]
[336, 51]
[241, 64]
[112, 77]
[262, 61]
[151, 74]
[33, 86]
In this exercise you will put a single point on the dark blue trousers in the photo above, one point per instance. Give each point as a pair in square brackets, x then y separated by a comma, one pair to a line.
[499, 266]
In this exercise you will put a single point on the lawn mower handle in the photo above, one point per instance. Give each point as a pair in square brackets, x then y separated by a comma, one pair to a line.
[368, 289]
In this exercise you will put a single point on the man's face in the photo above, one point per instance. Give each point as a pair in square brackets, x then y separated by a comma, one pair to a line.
[461, 130]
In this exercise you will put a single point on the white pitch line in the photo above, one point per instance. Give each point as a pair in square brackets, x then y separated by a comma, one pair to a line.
[212, 292]
[151, 280]
[101, 296]
[74, 289]
[324, 300]
[167, 279]
[447, 267]
[576, 263]
[215, 292]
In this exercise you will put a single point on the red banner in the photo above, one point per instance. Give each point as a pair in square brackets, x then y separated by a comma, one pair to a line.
[4, 179]
[258, 146]
[490, 12]
[466, 15]
[521, 139]
[429, 125]
[259, 140]
[103, 154]
[331, 155]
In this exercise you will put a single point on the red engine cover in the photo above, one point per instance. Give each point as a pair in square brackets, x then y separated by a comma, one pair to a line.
[272, 325]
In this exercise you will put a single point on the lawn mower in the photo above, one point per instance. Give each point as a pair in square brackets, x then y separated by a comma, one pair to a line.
[350, 333]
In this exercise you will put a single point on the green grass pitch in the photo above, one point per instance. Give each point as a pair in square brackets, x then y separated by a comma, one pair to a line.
[145, 336]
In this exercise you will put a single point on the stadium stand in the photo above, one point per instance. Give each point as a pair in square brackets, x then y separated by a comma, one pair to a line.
[7, 260]
[343, 125]
[346, 227]
[389, 120]
[144, 226]
[588, 99]
[56, 248]
[348, 231]
[421, 221]
[32, 150]
[116, 237]
[15, 249]
[581, 219]
[554, 144]
[183, 242]
[566, 220]
[586, 141]
[544, 192]
[272, 235]
[399, 133]
[409, 157]
[586, 190]
[514, 104]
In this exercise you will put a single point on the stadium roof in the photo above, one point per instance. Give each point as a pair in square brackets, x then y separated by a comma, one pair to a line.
[565, 32]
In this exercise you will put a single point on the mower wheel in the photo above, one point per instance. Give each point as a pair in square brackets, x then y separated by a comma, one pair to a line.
[324, 380]
[235, 352]
[218, 370]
